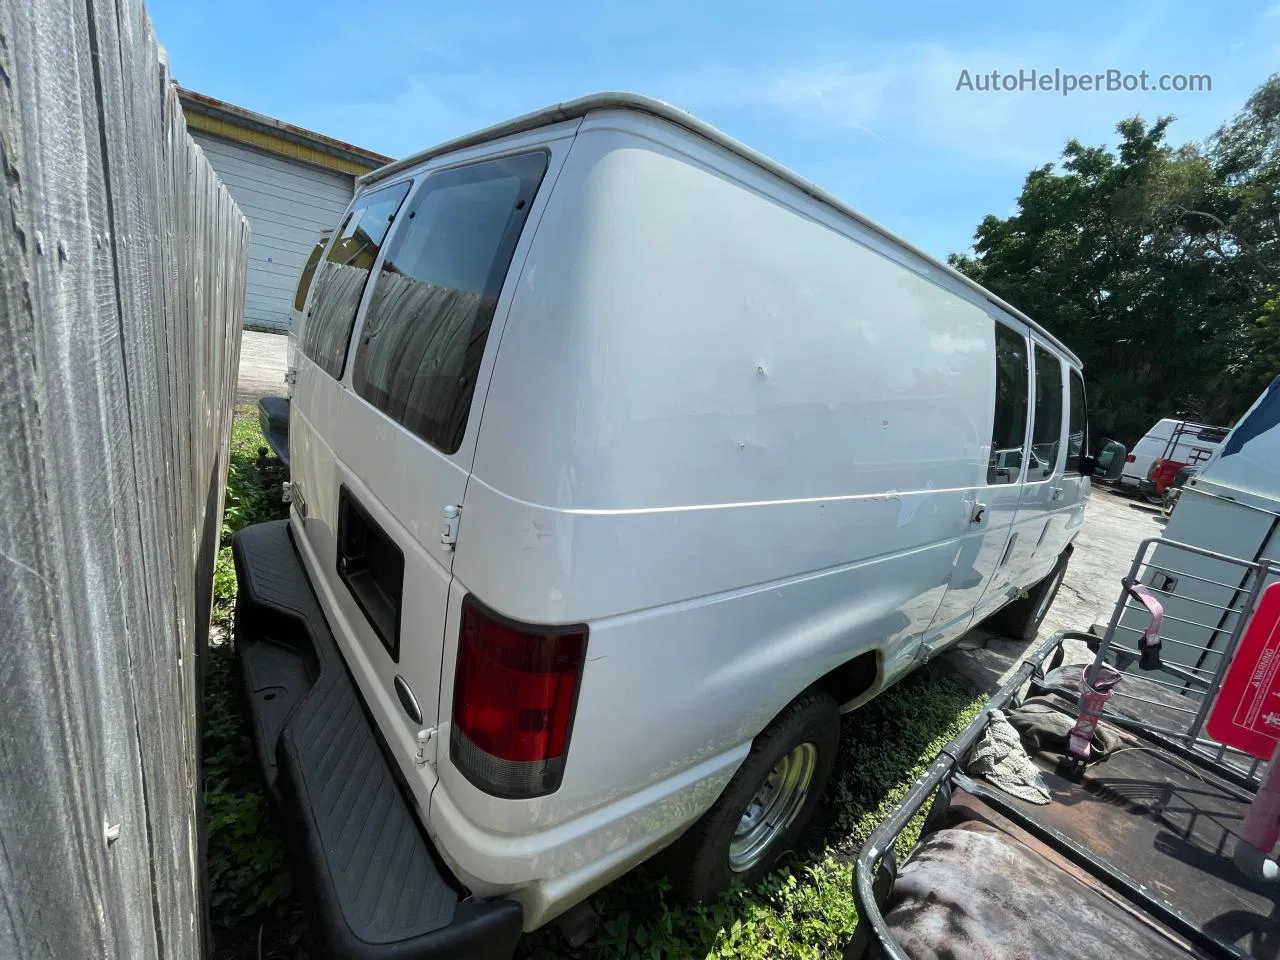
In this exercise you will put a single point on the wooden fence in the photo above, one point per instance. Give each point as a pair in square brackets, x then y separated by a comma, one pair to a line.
[122, 263]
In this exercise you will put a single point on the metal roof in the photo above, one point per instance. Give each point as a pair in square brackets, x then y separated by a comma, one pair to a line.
[576, 109]
[240, 117]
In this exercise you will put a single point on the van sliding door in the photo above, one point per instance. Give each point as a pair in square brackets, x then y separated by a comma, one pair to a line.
[1041, 528]
[983, 551]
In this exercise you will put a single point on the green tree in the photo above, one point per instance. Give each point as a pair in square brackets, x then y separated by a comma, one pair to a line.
[1153, 263]
[1246, 156]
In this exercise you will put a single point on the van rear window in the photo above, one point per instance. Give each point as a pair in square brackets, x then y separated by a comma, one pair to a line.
[309, 271]
[434, 298]
[340, 286]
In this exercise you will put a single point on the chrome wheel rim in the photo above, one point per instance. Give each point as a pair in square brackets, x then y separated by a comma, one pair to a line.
[774, 807]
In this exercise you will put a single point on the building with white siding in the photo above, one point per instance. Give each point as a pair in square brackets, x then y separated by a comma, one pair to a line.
[290, 183]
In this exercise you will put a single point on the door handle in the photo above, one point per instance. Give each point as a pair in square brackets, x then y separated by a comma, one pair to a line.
[979, 513]
[1055, 494]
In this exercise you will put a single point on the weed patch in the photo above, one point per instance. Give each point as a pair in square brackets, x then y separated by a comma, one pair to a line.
[804, 910]
[253, 911]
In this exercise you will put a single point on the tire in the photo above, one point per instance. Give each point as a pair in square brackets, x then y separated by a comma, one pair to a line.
[1021, 619]
[699, 863]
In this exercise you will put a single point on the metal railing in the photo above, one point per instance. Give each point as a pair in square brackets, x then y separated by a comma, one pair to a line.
[1201, 636]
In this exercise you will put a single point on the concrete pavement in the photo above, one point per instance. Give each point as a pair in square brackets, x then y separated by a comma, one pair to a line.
[263, 360]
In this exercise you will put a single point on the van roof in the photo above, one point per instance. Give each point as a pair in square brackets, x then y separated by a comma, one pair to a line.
[576, 109]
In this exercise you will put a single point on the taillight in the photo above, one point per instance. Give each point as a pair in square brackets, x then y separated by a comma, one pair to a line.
[514, 695]
[1130, 458]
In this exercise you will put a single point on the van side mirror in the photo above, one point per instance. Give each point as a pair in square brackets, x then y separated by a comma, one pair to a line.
[1108, 463]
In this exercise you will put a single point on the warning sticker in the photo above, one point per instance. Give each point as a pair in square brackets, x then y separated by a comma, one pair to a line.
[1246, 714]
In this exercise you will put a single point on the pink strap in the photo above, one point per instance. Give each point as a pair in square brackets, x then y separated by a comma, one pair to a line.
[1151, 635]
[1095, 691]
[1149, 642]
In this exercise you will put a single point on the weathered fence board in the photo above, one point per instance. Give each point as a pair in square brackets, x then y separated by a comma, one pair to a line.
[122, 264]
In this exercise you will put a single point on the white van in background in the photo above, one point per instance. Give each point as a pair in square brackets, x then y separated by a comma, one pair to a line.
[1187, 443]
[623, 461]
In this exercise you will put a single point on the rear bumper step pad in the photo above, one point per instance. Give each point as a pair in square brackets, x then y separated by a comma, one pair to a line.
[366, 867]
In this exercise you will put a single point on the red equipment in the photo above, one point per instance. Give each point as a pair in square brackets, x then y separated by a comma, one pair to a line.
[1246, 713]
[1162, 475]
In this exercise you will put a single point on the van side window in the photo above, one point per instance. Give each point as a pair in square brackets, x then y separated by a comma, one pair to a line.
[1009, 432]
[1078, 428]
[1046, 430]
[433, 301]
[309, 271]
[340, 286]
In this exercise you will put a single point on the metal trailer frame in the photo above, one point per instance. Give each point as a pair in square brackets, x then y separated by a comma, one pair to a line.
[875, 866]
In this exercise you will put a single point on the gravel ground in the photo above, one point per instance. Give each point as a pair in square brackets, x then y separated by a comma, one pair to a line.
[1114, 525]
[263, 358]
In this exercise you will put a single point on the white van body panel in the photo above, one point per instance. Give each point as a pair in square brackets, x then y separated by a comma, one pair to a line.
[739, 434]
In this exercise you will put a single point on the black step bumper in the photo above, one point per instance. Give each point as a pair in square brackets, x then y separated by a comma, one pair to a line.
[365, 866]
[273, 418]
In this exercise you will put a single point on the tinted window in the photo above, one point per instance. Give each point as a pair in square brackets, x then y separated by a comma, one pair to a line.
[343, 275]
[433, 301]
[308, 271]
[1009, 431]
[1078, 428]
[1046, 431]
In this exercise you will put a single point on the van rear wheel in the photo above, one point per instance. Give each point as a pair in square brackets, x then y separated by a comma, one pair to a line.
[1021, 619]
[766, 805]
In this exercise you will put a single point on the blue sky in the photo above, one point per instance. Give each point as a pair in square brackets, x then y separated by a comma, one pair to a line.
[859, 97]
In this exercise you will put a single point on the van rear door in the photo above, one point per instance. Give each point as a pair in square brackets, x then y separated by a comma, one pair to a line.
[384, 419]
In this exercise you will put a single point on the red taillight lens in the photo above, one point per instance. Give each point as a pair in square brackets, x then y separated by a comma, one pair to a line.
[1130, 458]
[514, 694]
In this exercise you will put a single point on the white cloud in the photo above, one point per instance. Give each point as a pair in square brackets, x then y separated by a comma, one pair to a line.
[836, 94]
[881, 124]
[908, 95]
[902, 93]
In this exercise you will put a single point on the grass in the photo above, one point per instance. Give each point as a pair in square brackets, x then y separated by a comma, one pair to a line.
[804, 910]
[252, 909]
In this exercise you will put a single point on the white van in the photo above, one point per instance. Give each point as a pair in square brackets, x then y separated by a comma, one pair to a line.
[1187, 443]
[623, 461]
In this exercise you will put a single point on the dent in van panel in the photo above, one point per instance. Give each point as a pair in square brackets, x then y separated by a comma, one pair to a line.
[629, 374]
